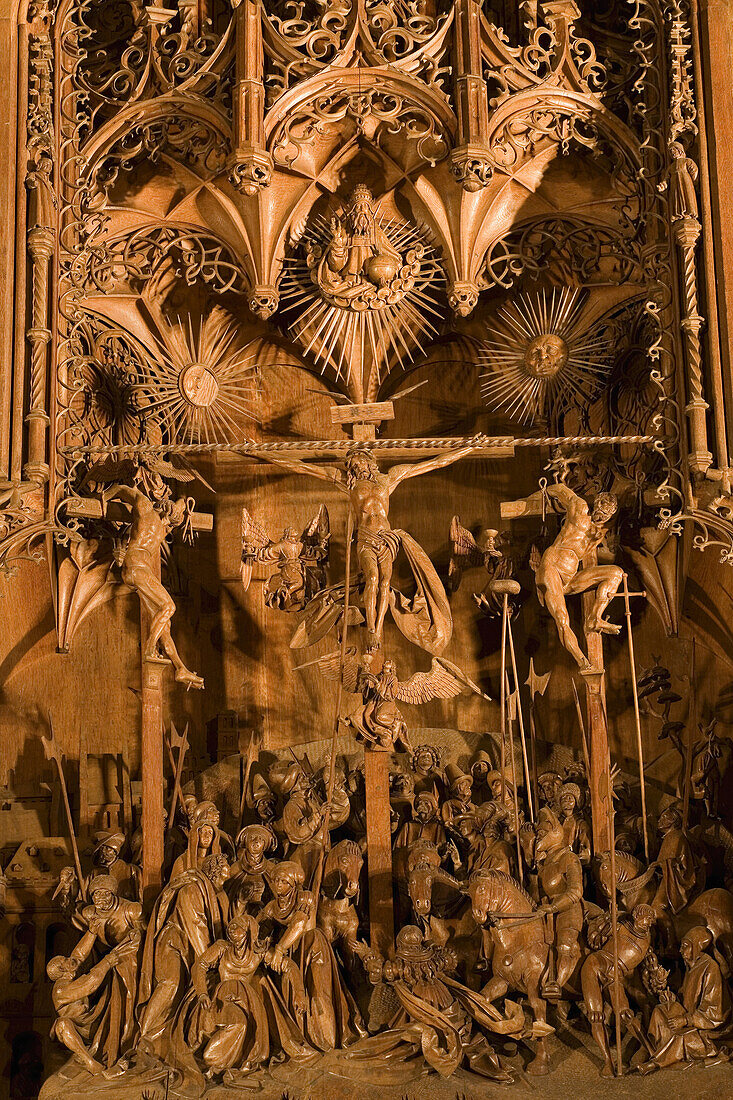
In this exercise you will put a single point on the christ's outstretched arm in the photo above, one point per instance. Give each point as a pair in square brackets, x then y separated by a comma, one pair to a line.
[415, 469]
[295, 466]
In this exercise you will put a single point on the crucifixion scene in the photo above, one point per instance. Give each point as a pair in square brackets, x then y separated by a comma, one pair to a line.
[366, 550]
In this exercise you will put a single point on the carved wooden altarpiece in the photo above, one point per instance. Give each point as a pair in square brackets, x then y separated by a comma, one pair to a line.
[315, 783]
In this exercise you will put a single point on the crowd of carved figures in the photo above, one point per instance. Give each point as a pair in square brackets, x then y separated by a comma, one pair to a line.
[511, 920]
[505, 925]
[230, 202]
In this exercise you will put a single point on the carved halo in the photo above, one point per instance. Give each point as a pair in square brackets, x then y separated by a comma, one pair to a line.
[201, 383]
[542, 352]
[364, 285]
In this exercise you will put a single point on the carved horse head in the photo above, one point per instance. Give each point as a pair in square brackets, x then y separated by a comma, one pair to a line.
[495, 894]
[343, 868]
[422, 863]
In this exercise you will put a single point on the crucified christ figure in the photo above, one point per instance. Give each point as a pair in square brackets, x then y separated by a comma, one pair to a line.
[559, 574]
[377, 544]
[152, 522]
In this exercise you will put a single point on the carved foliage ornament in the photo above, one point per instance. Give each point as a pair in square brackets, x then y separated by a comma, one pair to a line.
[409, 34]
[131, 53]
[577, 249]
[132, 259]
[378, 111]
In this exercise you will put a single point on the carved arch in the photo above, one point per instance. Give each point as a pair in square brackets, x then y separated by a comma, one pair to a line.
[378, 100]
[191, 128]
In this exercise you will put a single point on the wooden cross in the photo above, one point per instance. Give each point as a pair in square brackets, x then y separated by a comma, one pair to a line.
[116, 511]
[151, 708]
[363, 421]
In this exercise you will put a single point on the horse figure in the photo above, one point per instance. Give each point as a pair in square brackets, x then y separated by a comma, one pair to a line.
[519, 954]
[635, 883]
[337, 916]
[423, 874]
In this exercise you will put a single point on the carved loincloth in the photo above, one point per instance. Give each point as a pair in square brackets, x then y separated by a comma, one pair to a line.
[424, 618]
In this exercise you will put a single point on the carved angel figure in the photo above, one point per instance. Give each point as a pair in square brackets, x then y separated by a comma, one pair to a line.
[467, 553]
[379, 722]
[300, 560]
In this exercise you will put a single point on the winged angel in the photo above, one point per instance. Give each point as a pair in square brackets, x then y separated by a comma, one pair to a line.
[300, 560]
[379, 722]
[466, 553]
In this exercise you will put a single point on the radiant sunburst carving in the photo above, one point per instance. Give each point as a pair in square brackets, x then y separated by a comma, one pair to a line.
[202, 383]
[543, 351]
[364, 287]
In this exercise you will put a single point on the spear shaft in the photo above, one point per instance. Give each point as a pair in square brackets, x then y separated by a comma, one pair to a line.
[52, 753]
[522, 737]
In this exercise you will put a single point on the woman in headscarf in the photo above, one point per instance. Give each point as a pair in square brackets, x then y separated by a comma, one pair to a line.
[204, 839]
[188, 917]
[248, 876]
[332, 1018]
[238, 1021]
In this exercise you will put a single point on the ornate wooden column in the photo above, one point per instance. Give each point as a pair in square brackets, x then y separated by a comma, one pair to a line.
[712, 32]
[250, 167]
[41, 238]
[472, 164]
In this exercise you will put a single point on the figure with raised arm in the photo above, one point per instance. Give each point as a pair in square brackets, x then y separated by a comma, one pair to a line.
[426, 618]
[152, 522]
[558, 573]
[77, 1023]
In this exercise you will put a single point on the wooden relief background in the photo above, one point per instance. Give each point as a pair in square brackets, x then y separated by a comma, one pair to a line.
[171, 180]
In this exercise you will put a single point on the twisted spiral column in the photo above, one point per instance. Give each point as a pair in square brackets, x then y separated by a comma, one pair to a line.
[687, 233]
[40, 249]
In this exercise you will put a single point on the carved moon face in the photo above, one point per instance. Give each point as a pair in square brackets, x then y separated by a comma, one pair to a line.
[198, 385]
[546, 355]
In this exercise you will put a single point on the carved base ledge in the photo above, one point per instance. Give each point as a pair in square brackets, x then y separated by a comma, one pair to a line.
[154, 16]
[250, 169]
[472, 166]
[37, 472]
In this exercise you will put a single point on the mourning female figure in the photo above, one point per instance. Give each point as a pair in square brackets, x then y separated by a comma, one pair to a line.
[204, 839]
[229, 1024]
[332, 1018]
[187, 918]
